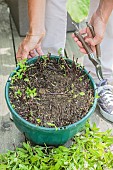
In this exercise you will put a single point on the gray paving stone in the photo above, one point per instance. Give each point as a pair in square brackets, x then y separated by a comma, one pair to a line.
[10, 136]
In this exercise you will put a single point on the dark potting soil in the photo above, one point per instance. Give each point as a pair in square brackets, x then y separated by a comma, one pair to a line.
[51, 93]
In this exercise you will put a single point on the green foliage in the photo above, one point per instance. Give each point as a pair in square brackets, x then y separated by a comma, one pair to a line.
[19, 73]
[38, 120]
[31, 92]
[60, 51]
[18, 93]
[97, 96]
[78, 9]
[22, 64]
[26, 79]
[82, 93]
[45, 58]
[52, 125]
[80, 79]
[90, 151]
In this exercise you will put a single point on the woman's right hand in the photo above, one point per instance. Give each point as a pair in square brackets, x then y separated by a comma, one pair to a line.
[30, 46]
[99, 27]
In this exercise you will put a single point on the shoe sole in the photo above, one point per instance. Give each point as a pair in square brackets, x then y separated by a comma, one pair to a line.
[11, 117]
[106, 115]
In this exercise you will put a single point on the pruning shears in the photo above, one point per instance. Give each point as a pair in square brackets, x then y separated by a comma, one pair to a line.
[95, 60]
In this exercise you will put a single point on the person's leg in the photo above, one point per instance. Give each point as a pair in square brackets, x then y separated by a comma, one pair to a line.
[56, 23]
[106, 49]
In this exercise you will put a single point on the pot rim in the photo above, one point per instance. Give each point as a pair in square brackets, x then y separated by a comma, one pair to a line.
[91, 110]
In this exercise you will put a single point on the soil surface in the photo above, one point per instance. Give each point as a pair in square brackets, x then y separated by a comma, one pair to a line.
[51, 93]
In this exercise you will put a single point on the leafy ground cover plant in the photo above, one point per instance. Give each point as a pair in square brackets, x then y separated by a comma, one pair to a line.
[51, 92]
[90, 150]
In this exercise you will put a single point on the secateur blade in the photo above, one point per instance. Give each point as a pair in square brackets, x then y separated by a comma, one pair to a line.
[96, 62]
[98, 53]
[99, 72]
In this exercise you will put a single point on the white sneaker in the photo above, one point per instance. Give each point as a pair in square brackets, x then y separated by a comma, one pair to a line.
[105, 102]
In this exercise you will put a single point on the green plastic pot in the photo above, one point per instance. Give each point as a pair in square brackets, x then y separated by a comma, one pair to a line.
[42, 135]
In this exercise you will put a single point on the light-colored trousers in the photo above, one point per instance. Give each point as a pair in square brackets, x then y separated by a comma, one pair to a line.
[56, 23]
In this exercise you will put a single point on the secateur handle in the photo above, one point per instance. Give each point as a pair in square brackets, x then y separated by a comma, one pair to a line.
[98, 51]
[81, 39]
[86, 46]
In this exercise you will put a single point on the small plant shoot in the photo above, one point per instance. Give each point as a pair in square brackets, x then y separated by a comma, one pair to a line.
[31, 92]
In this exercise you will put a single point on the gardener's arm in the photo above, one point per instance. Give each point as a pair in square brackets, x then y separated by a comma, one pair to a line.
[99, 21]
[36, 13]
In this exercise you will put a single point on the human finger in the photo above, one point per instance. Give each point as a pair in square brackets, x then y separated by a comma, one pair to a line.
[83, 31]
[33, 53]
[82, 50]
[94, 41]
[19, 59]
[22, 53]
[39, 50]
[93, 49]
[74, 37]
[29, 56]
[79, 44]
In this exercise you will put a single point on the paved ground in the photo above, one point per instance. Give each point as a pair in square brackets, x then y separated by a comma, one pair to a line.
[9, 134]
